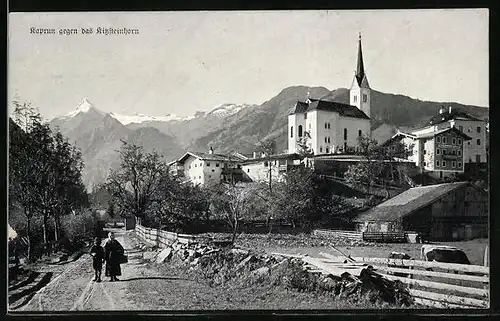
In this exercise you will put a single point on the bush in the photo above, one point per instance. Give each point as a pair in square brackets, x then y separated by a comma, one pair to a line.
[79, 226]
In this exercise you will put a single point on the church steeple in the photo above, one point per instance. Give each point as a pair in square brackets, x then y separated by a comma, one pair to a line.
[360, 69]
[360, 89]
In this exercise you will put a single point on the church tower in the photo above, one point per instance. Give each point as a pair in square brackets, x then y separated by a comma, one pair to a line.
[360, 89]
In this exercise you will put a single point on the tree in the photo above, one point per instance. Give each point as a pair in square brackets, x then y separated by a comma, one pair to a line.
[304, 148]
[133, 185]
[268, 148]
[111, 209]
[230, 202]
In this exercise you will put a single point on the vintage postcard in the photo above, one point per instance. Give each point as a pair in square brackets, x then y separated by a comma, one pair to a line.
[248, 160]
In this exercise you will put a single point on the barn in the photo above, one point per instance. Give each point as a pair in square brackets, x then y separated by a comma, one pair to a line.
[443, 212]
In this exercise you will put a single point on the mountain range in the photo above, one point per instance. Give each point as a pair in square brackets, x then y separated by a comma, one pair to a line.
[227, 128]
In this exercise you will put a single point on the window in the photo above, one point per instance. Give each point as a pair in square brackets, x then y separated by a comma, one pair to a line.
[195, 165]
[460, 141]
[469, 129]
[459, 152]
[355, 98]
[425, 152]
[478, 142]
[189, 166]
[300, 130]
[440, 174]
[468, 143]
[461, 128]
[213, 170]
[327, 150]
[360, 133]
[444, 163]
[208, 164]
[437, 163]
[248, 170]
[265, 164]
[345, 133]
[438, 139]
[425, 164]
[239, 166]
[209, 176]
[321, 149]
[328, 138]
[199, 177]
[438, 151]
[291, 132]
[305, 115]
[459, 164]
[453, 141]
[444, 140]
[478, 129]
[328, 125]
[365, 98]
[453, 164]
[453, 152]
[216, 164]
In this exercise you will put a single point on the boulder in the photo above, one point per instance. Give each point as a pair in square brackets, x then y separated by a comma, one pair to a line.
[164, 255]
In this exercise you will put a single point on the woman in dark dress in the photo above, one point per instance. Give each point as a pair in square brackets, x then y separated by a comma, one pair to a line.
[113, 253]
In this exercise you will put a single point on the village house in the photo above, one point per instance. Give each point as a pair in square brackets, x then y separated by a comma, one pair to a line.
[333, 127]
[443, 212]
[259, 169]
[439, 153]
[207, 168]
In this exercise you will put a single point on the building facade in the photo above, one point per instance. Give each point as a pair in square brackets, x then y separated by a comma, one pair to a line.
[440, 153]
[332, 127]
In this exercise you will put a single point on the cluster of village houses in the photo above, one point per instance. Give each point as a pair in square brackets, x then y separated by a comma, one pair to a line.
[441, 149]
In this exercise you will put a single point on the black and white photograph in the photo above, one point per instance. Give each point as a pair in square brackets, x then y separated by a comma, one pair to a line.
[282, 160]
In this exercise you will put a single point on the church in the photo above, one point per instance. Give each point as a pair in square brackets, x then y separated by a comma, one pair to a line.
[332, 127]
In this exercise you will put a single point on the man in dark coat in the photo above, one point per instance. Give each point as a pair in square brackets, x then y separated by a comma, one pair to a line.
[113, 254]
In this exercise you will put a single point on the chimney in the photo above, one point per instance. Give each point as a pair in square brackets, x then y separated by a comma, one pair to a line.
[449, 109]
[211, 151]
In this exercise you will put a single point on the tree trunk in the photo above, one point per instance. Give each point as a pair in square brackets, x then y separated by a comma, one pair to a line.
[30, 257]
[235, 230]
[45, 231]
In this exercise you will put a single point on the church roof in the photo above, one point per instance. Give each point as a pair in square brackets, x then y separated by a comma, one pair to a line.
[360, 74]
[317, 104]
[446, 116]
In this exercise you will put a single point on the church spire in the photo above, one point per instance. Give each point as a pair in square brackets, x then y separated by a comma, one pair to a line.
[360, 70]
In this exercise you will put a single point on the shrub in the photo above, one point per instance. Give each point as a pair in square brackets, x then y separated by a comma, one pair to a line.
[78, 226]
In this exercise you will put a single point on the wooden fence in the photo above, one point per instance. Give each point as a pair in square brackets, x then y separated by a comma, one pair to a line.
[433, 284]
[161, 238]
[393, 237]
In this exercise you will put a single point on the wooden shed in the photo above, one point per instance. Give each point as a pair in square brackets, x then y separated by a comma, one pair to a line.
[443, 212]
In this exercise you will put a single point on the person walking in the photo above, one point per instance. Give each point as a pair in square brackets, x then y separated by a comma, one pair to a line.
[97, 252]
[113, 254]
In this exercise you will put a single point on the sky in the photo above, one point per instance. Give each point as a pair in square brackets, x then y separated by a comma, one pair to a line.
[183, 62]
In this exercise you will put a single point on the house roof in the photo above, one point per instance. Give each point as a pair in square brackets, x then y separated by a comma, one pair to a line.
[449, 129]
[209, 157]
[398, 135]
[455, 114]
[318, 104]
[408, 202]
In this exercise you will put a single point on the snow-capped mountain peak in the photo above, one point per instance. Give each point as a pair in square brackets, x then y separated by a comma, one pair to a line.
[227, 109]
[139, 118]
[84, 106]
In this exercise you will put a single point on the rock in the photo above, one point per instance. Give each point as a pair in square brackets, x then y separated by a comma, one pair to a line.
[239, 252]
[247, 260]
[261, 271]
[164, 255]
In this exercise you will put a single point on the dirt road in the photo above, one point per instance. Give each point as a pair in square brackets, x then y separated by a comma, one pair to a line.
[72, 289]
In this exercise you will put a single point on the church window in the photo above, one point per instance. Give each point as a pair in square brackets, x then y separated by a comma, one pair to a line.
[345, 133]
[321, 149]
[425, 164]
[355, 98]
[365, 98]
[328, 138]
[328, 125]
[300, 130]
[291, 131]
[360, 133]
[327, 150]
